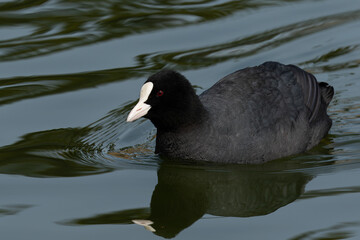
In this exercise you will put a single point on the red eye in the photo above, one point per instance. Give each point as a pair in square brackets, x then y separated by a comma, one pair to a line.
[159, 93]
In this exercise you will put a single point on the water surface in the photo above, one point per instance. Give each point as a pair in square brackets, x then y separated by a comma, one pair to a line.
[71, 167]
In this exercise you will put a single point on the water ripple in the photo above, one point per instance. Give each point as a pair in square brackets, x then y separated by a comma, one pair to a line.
[59, 25]
[99, 147]
[109, 143]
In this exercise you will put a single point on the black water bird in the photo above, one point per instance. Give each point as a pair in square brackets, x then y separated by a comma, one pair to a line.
[253, 115]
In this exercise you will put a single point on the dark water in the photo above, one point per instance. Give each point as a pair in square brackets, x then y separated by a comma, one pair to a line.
[72, 168]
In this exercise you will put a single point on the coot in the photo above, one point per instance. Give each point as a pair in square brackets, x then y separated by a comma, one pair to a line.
[253, 115]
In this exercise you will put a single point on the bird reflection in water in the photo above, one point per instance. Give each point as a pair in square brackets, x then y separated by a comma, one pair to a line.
[185, 193]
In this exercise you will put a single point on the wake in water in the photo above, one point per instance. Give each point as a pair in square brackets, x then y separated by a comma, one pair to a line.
[99, 147]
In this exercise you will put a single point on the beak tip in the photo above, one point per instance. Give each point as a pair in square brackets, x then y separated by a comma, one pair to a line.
[129, 119]
[138, 111]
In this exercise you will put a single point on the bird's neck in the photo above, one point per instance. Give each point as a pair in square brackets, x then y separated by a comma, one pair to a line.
[182, 118]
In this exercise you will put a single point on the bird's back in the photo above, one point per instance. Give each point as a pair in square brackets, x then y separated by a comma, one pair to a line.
[263, 113]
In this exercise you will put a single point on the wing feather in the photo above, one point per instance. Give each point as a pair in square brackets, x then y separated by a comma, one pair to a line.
[311, 91]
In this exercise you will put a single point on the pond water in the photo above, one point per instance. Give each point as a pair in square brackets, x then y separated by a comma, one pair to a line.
[72, 168]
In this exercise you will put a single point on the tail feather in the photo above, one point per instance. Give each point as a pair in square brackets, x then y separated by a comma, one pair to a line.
[327, 92]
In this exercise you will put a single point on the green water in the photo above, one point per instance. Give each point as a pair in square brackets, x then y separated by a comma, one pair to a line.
[72, 168]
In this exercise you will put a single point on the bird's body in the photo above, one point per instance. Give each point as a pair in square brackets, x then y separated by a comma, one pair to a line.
[253, 115]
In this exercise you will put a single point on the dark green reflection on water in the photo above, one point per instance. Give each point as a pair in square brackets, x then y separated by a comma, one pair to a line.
[50, 154]
[13, 209]
[61, 25]
[76, 151]
[68, 24]
[22, 88]
[185, 193]
[339, 231]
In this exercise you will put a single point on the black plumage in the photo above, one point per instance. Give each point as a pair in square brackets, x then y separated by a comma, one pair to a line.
[250, 116]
